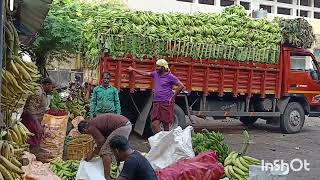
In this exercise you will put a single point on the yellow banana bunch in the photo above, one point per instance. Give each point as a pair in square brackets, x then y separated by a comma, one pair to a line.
[237, 167]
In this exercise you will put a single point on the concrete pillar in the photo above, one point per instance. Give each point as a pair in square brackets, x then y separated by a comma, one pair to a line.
[217, 3]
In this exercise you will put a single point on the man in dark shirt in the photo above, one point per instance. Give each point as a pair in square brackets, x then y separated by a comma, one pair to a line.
[102, 129]
[136, 166]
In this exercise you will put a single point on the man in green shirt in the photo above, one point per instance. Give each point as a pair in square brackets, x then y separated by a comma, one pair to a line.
[105, 98]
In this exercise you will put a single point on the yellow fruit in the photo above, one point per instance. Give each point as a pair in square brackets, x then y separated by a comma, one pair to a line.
[16, 162]
[14, 136]
[23, 72]
[10, 166]
[12, 80]
[14, 68]
[5, 173]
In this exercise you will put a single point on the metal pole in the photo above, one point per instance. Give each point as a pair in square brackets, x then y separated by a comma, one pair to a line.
[2, 12]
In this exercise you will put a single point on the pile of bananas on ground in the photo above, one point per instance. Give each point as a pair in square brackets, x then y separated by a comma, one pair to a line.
[236, 165]
[12, 145]
[202, 142]
[18, 77]
[66, 170]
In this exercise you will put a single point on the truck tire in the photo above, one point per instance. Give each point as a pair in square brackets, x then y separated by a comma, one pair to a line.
[292, 119]
[248, 121]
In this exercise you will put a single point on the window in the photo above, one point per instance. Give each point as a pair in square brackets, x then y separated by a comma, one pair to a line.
[304, 13]
[225, 3]
[211, 2]
[190, 1]
[317, 4]
[302, 63]
[285, 1]
[305, 2]
[246, 5]
[284, 11]
[266, 7]
[317, 15]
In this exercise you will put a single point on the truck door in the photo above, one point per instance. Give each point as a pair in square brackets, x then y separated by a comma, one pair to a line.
[304, 79]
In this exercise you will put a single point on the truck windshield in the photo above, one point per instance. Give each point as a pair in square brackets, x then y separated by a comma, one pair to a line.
[302, 63]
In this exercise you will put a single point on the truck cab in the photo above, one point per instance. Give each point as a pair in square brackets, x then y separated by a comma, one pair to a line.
[303, 81]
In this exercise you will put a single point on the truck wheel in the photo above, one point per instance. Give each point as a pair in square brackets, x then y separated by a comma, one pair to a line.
[292, 119]
[248, 121]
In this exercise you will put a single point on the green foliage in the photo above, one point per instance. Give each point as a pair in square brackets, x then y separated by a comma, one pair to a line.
[61, 29]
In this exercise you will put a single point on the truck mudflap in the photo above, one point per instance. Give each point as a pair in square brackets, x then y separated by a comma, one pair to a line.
[235, 114]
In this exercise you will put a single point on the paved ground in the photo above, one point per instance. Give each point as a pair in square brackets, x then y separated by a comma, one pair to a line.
[268, 143]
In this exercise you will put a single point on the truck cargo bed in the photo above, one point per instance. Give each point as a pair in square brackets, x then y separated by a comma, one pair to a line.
[207, 76]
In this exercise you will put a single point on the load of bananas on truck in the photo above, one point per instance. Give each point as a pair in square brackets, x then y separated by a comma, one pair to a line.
[231, 34]
[19, 80]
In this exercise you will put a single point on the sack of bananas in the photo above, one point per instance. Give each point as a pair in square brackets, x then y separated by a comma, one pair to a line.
[66, 170]
[202, 142]
[236, 165]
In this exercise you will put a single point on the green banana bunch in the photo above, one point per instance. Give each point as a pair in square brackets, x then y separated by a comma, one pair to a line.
[66, 170]
[114, 171]
[210, 141]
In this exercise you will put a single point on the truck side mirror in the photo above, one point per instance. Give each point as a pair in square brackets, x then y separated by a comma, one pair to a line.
[314, 74]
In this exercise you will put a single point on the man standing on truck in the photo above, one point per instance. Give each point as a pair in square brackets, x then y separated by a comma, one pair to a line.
[105, 98]
[164, 97]
[102, 129]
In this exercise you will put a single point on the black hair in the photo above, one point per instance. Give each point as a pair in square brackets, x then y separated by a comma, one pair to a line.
[46, 80]
[119, 142]
[107, 73]
[82, 126]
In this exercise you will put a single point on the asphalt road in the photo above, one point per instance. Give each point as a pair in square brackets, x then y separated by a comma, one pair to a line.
[268, 143]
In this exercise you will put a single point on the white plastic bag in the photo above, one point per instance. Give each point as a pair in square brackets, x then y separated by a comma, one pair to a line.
[167, 147]
[92, 170]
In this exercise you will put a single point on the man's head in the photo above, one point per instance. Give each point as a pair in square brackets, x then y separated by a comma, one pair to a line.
[162, 66]
[47, 85]
[119, 146]
[105, 77]
[83, 127]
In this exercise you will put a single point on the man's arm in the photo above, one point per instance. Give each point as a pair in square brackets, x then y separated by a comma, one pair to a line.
[99, 138]
[117, 101]
[93, 104]
[144, 73]
[180, 87]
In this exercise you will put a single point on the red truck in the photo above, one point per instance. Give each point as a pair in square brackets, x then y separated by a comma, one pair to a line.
[281, 93]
